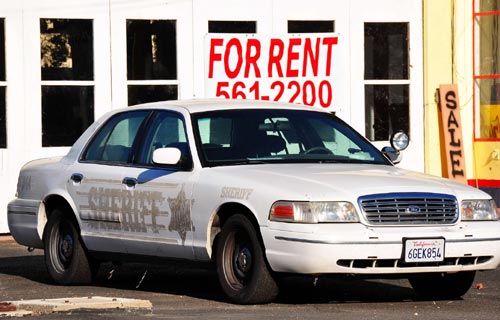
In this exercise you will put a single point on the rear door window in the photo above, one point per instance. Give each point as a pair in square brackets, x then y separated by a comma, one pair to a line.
[113, 143]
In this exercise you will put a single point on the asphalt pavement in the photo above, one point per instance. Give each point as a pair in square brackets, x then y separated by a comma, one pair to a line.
[183, 291]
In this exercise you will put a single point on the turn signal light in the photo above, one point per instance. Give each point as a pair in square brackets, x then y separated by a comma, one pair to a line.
[313, 212]
[283, 212]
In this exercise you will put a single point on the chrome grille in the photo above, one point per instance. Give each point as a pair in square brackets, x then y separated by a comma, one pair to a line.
[409, 208]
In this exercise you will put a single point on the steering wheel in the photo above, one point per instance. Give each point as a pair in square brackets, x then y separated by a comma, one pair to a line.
[318, 150]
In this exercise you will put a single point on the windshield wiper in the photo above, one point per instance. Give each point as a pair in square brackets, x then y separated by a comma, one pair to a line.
[243, 162]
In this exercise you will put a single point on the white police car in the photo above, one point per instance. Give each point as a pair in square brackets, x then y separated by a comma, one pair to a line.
[259, 188]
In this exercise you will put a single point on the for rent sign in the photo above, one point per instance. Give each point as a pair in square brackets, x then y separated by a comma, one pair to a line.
[291, 68]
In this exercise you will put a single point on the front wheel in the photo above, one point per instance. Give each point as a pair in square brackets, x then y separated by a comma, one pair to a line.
[241, 266]
[442, 285]
[65, 257]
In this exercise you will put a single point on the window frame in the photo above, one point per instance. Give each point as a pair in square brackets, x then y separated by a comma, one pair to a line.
[385, 82]
[67, 83]
[152, 82]
[476, 76]
[3, 84]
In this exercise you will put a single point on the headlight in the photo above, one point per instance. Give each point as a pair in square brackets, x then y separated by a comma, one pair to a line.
[313, 212]
[474, 210]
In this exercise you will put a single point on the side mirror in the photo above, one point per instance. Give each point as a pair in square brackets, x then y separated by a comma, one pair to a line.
[392, 154]
[399, 141]
[167, 156]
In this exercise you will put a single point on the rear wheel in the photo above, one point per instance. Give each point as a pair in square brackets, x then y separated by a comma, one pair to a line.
[241, 266]
[65, 257]
[442, 285]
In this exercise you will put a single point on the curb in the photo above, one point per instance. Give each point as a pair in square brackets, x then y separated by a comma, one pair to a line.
[44, 306]
[6, 237]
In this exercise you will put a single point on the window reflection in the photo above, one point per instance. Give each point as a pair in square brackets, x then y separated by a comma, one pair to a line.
[66, 49]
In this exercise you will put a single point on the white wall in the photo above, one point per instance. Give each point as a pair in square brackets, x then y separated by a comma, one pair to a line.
[22, 28]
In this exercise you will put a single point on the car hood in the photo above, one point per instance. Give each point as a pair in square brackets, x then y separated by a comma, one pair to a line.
[337, 181]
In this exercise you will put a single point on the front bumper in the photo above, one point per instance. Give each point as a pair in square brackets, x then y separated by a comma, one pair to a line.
[22, 216]
[359, 249]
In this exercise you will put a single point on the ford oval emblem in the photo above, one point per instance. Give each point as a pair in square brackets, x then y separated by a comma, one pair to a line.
[412, 209]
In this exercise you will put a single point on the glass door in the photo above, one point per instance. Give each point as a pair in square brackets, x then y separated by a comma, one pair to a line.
[151, 51]
[387, 74]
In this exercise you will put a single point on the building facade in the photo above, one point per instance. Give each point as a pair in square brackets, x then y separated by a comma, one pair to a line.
[65, 63]
[461, 47]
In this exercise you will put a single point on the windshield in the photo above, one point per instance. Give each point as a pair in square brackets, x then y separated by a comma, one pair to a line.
[248, 136]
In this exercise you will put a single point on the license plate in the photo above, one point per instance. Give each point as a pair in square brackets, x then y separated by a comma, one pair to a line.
[424, 250]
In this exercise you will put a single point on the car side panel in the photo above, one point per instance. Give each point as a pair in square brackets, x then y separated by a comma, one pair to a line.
[38, 180]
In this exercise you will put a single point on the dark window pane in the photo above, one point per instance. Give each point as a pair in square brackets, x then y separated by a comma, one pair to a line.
[232, 26]
[66, 49]
[3, 120]
[151, 50]
[114, 141]
[386, 111]
[142, 94]
[298, 26]
[66, 112]
[2, 49]
[386, 51]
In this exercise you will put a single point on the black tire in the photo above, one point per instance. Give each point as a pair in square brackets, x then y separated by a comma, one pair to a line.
[241, 266]
[65, 257]
[441, 286]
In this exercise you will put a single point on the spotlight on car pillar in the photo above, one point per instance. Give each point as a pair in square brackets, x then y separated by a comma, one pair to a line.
[400, 140]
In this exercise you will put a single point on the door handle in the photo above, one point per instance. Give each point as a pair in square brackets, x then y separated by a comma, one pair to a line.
[130, 182]
[76, 177]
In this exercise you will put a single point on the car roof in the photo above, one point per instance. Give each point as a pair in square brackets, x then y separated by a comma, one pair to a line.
[203, 105]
